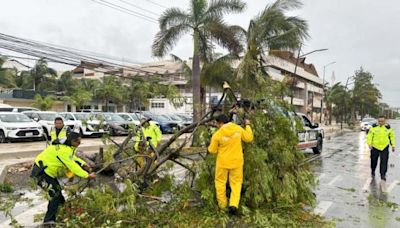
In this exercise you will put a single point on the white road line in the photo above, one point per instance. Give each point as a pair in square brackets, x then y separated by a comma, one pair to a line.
[322, 207]
[392, 185]
[334, 180]
[367, 184]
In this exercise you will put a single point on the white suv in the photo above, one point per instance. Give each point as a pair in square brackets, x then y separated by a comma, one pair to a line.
[88, 125]
[46, 120]
[18, 126]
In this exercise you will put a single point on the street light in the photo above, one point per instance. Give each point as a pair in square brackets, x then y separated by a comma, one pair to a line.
[323, 89]
[297, 63]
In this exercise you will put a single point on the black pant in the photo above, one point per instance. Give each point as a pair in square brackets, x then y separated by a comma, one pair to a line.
[55, 192]
[384, 154]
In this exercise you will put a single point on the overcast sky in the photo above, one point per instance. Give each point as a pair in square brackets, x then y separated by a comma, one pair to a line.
[356, 32]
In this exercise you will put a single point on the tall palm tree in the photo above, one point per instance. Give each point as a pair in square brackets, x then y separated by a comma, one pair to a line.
[38, 75]
[7, 76]
[110, 89]
[204, 21]
[271, 30]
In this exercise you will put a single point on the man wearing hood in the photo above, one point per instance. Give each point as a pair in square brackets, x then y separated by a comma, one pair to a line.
[227, 144]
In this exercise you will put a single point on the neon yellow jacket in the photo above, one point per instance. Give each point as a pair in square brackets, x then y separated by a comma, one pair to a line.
[60, 159]
[152, 131]
[379, 137]
[227, 143]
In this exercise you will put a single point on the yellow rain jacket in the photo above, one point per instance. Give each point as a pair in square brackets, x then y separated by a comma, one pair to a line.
[60, 159]
[379, 137]
[152, 131]
[227, 143]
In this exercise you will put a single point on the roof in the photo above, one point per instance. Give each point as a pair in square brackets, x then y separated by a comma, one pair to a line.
[289, 56]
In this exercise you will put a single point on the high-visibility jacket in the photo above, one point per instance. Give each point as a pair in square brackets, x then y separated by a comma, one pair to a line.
[227, 143]
[61, 159]
[379, 137]
[152, 131]
[62, 135]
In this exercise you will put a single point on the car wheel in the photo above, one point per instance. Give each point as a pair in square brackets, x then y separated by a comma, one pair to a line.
[318, 148]
[2, 137]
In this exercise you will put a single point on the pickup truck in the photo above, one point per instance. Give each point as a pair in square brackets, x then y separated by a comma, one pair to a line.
[312, 136]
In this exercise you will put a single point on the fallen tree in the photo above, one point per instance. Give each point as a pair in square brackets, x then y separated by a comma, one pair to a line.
[277, 188]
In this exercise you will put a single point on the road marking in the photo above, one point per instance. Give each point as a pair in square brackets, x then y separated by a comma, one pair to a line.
[334, 180]
[392, 185]
[367, 184]
[322, 207]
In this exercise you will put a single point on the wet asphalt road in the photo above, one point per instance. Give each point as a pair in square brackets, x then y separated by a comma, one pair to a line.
[346, 192]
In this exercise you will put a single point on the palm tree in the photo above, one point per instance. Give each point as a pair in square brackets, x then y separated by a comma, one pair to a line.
[204, 20]
[110, 89]
[7, 76]
[38, 75]
[43, 104]
[271, 30]
[79, 98]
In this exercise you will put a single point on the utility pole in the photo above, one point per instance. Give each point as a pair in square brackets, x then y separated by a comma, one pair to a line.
[323, 91]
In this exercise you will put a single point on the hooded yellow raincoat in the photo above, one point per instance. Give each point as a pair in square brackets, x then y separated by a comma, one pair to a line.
[227, 143]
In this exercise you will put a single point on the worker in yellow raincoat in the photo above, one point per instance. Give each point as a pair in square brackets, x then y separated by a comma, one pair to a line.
[152, 135]
[227, 144]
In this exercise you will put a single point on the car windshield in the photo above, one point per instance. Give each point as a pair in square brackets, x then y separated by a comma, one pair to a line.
[125, 117]
[82, 116]
[175, 118]
[112, 117]
[368, 120]
[47, 116]
[186, 118]
[157, 118]
[137, 116]
[14, 118]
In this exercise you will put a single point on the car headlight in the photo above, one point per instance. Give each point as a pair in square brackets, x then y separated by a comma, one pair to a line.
[11, 128]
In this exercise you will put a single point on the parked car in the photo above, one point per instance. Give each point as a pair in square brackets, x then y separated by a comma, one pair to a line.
[9, 108]
[312, 137]
[116, 124]
[166, 126]
[134, 118]
[88, 125]
[187, 119]
[366, 123]
[18, 126]
[175, 119]
[46, 120]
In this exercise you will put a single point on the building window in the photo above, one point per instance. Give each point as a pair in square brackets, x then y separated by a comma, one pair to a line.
[157, 105]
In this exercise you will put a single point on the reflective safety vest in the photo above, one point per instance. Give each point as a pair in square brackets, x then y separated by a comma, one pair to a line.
[62, 135]
[379, 137]
[153, 131]
[59, 160]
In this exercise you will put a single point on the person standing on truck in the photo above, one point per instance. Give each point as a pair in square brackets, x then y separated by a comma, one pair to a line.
[227, 144]
[380, 137]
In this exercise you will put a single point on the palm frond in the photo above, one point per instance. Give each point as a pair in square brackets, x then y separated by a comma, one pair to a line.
[219, 7]
[173, 17]
[223, 35]
[166, 39]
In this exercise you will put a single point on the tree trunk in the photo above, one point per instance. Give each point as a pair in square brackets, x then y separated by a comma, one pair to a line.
[203, 95]
[196, 79]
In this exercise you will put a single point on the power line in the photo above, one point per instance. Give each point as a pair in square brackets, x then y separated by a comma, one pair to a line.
[157, 4]
[138, 7]
[125, 10]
